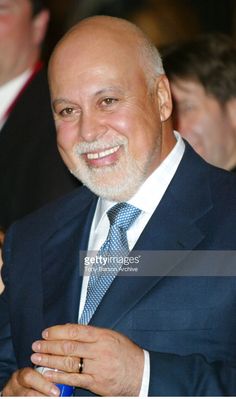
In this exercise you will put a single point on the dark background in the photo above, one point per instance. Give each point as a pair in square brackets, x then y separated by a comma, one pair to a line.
[207, 15]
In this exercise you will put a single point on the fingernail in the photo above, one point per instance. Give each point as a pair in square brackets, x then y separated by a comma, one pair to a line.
[36, 358]
[55, 391]
[45, 334]
[48, 374]
[36, 346]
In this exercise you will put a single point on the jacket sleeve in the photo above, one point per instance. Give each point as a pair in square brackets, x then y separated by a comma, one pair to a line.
[192, 375]
[7, 357]
[8, 362]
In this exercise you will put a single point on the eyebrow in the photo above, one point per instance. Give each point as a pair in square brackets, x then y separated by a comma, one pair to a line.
[65, 100]
[59, 101]
[111, 88]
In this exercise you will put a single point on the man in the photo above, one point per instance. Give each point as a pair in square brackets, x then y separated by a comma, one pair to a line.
[31, 171]
[145, 335]
[202, 74]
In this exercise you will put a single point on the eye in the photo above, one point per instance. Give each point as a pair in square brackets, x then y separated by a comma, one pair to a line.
[186, 107]
[109, 101]
[69, 113]
[66, 111]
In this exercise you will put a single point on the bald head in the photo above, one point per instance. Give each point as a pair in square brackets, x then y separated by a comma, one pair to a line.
[110, 37]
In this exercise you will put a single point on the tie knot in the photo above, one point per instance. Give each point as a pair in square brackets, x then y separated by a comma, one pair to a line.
[123, 215]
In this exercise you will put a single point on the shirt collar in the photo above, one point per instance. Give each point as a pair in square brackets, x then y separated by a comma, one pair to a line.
[152, 190]
[9, 91]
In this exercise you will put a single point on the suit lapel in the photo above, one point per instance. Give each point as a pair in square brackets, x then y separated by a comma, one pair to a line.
[61, 271]
[173, 227]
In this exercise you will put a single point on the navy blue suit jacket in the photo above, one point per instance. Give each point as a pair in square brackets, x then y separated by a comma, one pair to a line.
[188, 324]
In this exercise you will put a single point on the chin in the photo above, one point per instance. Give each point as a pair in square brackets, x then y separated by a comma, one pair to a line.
[115, 183]
[116, 193]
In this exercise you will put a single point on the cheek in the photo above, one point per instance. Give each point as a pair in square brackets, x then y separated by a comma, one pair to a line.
[130, 122]
[139, 128]
[204, 126]
[10, 27]
[126, 126]
[65, 147]
[191, 123]
[6, 35]
[212, 132]
[66, 135]
[120, 122]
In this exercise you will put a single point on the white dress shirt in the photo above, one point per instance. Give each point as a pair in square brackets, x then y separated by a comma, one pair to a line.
[8, 93]
[147, 199]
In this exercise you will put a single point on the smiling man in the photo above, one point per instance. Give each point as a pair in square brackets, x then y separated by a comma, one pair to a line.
[144, 189]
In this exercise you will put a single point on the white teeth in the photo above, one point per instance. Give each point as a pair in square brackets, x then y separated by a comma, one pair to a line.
[103, 153]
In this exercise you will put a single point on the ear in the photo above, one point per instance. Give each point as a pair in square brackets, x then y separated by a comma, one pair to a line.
[163, 94]
[40, 24]
[231, 111]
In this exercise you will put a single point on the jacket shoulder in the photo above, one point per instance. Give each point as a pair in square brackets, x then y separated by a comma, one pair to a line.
[44, 221]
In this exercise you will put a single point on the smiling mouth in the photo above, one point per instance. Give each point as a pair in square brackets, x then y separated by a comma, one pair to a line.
[102, 154]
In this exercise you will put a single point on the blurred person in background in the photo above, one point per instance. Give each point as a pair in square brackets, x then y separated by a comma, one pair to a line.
[31, 171]
[202, 74]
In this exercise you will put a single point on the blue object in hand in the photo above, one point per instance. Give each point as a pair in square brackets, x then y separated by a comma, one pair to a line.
[65, 390]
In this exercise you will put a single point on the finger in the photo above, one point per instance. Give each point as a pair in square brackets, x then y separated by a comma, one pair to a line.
[73, 332]
[83, 380]
[32, 379]
[67, 364]
[32, 393]
[64, 348]
[29, 380]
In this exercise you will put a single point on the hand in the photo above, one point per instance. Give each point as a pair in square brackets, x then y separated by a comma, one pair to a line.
[28, 382]
[113, 365]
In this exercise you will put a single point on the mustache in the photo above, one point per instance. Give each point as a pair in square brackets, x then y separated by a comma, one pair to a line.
[98, 145]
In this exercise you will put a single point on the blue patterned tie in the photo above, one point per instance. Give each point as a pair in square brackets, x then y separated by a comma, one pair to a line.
[121, 217]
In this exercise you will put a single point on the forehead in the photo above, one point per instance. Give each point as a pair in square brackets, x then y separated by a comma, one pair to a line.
[92, 49]
[94, 58]
[19, 3]
[95, 81]
[23, 7]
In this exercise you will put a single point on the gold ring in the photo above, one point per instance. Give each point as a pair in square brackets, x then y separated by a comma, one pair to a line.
[81, 365]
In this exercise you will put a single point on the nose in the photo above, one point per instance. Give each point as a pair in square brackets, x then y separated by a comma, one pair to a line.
[92, 126]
